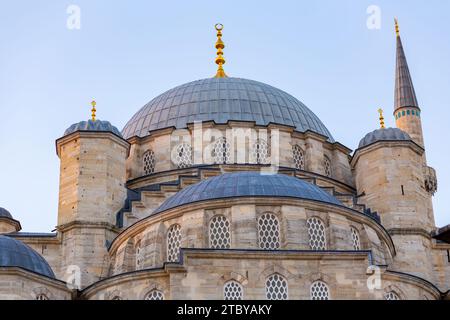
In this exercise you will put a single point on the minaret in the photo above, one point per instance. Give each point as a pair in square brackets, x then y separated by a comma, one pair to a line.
[406, 110]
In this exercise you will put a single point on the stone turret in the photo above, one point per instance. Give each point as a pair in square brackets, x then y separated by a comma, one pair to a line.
[92, 190]
[389, 179]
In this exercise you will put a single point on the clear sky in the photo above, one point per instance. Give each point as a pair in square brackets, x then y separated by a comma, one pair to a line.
[126, 53]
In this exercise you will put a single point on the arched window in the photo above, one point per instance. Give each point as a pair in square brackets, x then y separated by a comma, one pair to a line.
[173, 243]
[355, 239]
[327, 166]
[219, 233]
[149, 162]
[299, 157]
[232, 290]
[391, 295]
[138, 255]
[276, 288]
[182, 156]
[260, 152]
[42, 296]
[269, 232]
[221, 151]
[319, 291]
[316, 232]
[154, 295]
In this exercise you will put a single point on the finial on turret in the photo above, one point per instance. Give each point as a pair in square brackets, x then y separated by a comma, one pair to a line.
[93, 110]
[220, 60]
[397, 28]
[380, 111]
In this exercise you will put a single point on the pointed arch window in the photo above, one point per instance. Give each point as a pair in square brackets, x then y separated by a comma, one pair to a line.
[276, 287]
[260, 152]
[316, 232]
[269, 232]
[299, 157]
[154, 295]
[356, 242]
[149, 162]
[173, 243]
[319, 291]
[391, 295]
[138, 255]
[219, 233]
[221, 151]
[232, 290]
[182, 156]
[327, 166]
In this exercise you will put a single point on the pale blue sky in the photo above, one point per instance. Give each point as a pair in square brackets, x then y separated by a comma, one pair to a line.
[128, 52]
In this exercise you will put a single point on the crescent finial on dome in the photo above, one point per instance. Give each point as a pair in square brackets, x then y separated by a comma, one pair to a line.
[382, 126]
[93, 110]
[220, 60]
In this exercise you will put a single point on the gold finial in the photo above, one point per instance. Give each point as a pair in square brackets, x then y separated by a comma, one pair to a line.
[397, 28]
[220, 60]
[93, 110]
[380, 111]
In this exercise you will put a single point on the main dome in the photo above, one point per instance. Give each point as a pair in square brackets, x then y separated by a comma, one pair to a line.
[221, 100]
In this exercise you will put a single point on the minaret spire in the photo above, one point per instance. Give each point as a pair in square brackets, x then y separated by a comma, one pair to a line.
[220, 60]
[405, 96]
[406, 109]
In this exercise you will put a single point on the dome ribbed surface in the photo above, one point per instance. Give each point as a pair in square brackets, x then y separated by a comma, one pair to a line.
[97, 125]
[14, 253]
[222, 100]
[247, 184]
[388, 134]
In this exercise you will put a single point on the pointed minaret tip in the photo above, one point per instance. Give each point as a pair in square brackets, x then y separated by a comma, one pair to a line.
[397, 28]
[405, 95]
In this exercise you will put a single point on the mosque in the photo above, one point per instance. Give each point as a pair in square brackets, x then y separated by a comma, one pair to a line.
[228, 188]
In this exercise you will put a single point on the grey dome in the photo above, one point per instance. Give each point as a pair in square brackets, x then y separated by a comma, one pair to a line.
[388, 134]
[97, 125]
[221, 100]
[247, 184]
[5, 213]
[14, 253]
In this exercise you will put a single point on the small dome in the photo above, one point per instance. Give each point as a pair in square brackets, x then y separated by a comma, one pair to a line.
[388, 134]
[14, 253]
[5, 213]
[97, 125]
[248, 184]
[222, 100]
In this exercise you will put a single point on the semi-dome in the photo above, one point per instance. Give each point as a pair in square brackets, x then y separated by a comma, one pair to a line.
[5, 213]
[388, 134]
[221, 100]
[14, 253]
[97, 125]
[248, 184]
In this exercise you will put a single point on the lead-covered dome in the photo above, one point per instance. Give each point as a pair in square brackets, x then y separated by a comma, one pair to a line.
[248, 184]
[5, 213]
[388, 134]
[14, 253]
[221, 100]
[90, 125]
